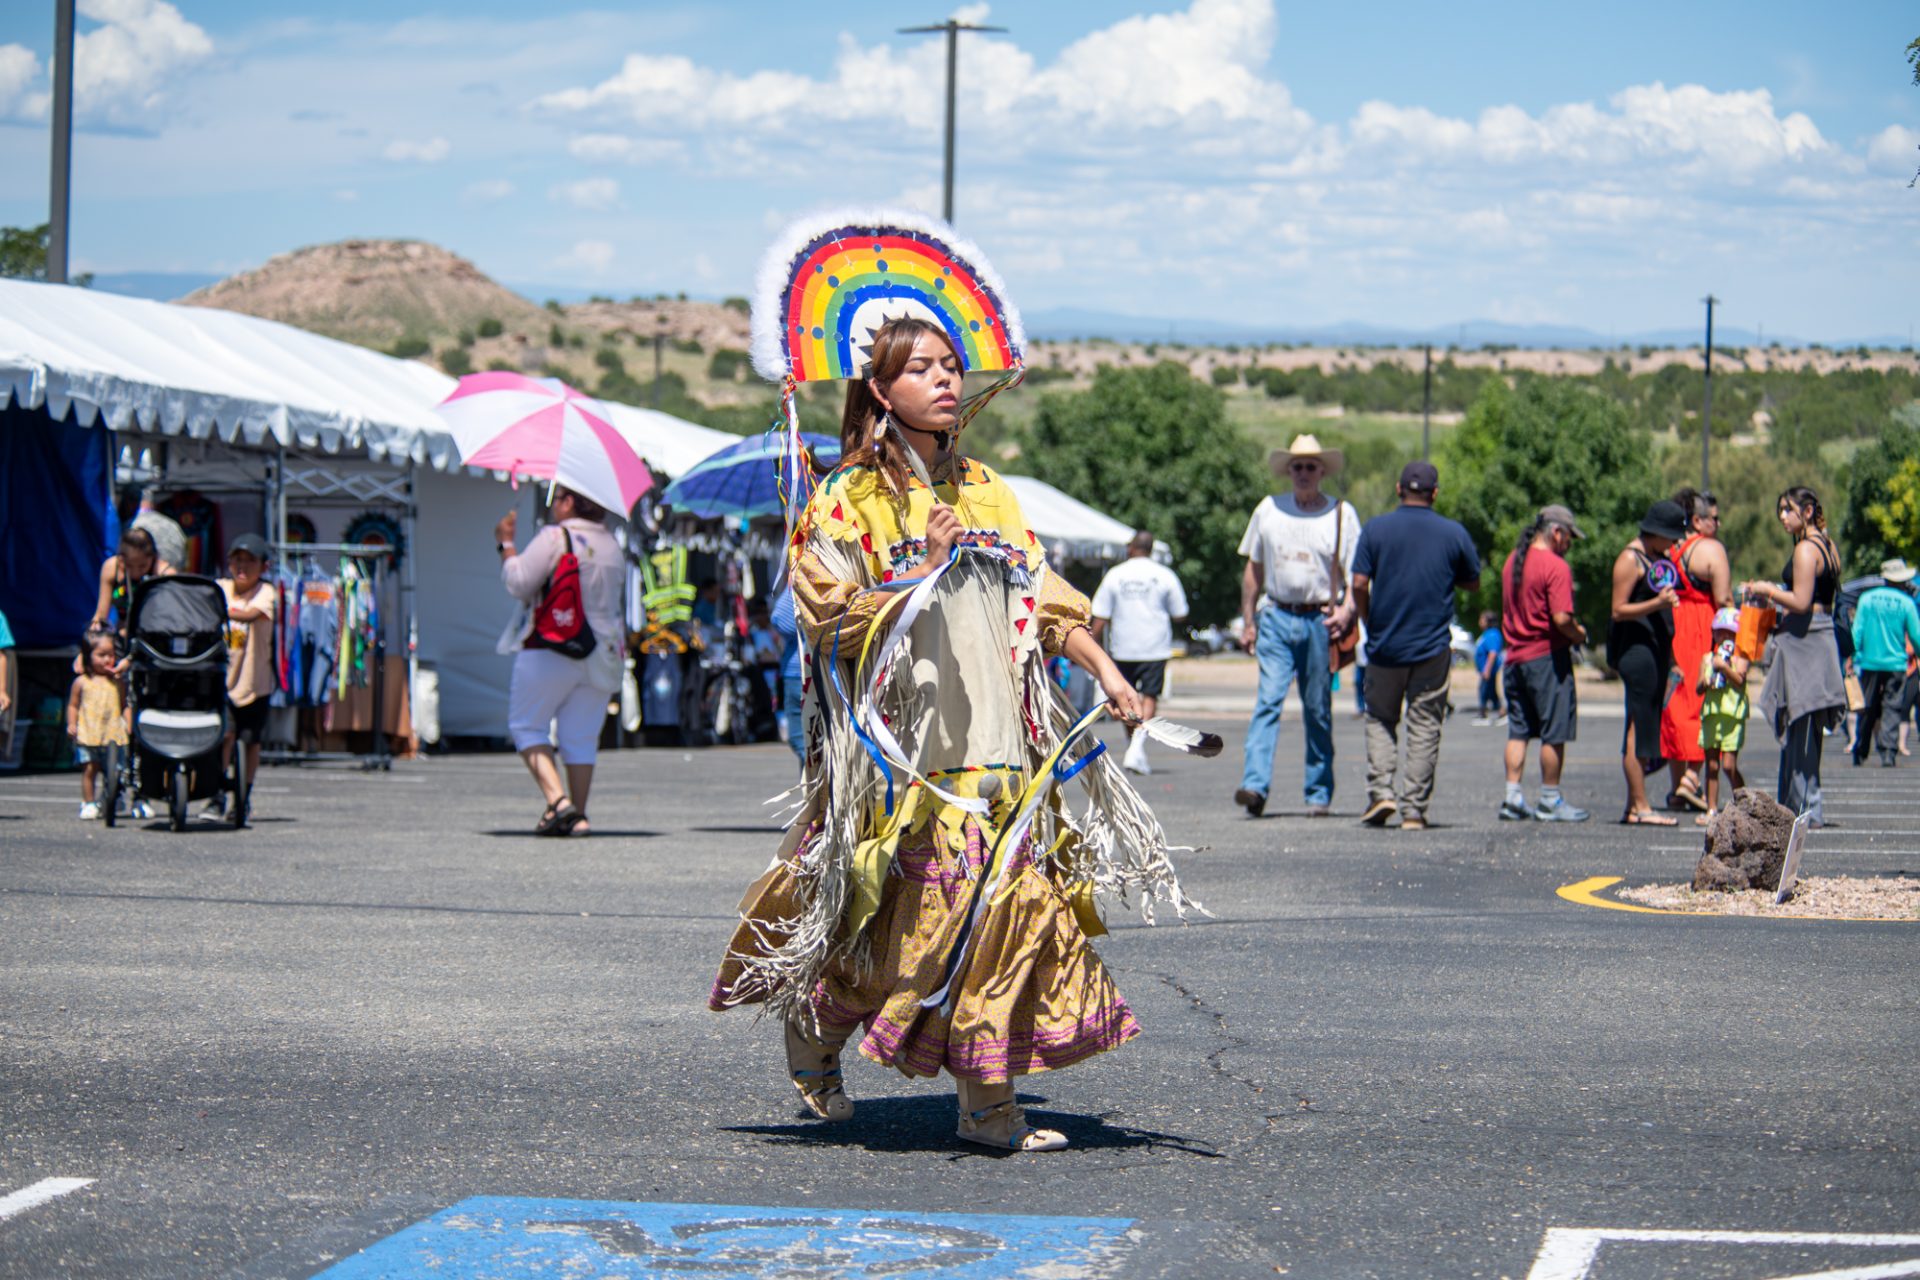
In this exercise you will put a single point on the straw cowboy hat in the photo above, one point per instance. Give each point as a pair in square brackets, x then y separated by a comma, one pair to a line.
[1306, 446]
[1896, 571]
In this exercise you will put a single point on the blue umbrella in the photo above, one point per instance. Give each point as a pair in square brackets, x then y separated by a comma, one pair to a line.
[742, 480]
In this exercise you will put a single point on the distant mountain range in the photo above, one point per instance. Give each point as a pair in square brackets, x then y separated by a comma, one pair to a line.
[1066, 323]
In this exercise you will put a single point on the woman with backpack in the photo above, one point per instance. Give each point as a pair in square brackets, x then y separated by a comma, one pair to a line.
[566, 652]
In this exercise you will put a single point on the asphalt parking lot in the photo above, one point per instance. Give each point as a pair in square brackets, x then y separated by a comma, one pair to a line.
[385, 1033]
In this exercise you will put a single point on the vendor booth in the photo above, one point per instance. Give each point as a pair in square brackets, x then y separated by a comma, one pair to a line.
[229, 424]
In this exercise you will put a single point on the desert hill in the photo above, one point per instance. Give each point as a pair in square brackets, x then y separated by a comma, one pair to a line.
[378, 293]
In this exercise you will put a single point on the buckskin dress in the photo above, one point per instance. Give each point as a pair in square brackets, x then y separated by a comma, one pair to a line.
[868, 913]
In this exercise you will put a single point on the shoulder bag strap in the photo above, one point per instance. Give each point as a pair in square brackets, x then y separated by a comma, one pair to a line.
[1339, 570]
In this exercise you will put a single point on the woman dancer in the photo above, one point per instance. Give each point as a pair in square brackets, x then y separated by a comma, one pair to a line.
[934, 888]
[1705, 587]
[1805, 693]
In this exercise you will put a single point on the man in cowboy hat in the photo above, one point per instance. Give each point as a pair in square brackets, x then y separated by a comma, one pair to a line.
[1886, 628]
[1294, 604]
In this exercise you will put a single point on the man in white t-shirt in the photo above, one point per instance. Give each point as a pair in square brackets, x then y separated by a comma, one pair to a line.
[1294, 601]
[1134, 611]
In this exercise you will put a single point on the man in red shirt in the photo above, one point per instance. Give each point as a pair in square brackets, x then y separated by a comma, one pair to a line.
[1537, 592]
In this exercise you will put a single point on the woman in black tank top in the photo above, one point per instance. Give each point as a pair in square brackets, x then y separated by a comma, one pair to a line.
[1804, 694]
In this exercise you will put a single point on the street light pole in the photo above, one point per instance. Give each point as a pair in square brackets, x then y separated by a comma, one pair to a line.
[1706, 411]
[1426, 409]
[952, 27]
[59, 179]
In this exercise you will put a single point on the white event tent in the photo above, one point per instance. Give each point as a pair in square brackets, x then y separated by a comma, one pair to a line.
[1069, 527]
[229, 403]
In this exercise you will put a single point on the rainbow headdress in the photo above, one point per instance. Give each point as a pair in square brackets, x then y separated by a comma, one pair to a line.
[831, 280]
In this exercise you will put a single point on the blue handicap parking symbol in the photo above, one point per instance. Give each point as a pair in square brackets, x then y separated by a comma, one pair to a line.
[511, 1236]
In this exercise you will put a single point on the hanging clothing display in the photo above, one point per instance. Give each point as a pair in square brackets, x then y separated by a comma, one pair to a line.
[327, 632]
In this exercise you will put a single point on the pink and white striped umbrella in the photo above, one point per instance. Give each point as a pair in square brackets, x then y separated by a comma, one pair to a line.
[542, 427]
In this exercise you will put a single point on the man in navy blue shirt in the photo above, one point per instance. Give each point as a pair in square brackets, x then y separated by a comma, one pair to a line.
[1405, 571]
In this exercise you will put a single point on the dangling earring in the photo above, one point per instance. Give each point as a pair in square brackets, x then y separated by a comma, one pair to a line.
[880, 425]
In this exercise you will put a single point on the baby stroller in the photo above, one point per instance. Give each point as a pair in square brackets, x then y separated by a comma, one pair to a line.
[177, 694]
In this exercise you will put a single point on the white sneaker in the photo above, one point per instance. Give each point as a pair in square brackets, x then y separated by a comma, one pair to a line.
[89, 812]
[1135, 761]
[142, 810]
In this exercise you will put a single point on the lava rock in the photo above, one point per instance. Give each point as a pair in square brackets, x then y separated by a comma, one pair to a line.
[1746, 844]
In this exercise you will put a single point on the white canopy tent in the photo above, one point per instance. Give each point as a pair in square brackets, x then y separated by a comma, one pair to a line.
[336, 422]
[165, 370]
[1068, 526]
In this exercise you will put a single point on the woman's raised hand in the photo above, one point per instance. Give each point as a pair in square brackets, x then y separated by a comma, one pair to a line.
[1123, 701]
[503, 531]
[943, 531]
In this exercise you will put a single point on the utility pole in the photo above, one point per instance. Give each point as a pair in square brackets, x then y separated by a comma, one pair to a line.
[659, 342]
[1706, 411]
[953, 27]
[1426, 409]
[57, 187]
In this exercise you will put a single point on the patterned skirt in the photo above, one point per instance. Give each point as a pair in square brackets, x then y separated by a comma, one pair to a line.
[1034, 997]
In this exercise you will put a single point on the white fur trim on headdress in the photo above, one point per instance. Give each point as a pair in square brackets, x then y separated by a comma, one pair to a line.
[776, 272]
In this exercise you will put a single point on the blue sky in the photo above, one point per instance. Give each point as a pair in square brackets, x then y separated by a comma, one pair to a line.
[1249, 160]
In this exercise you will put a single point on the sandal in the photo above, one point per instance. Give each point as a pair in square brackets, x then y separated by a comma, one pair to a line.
[1688, 800]
[814, 1069]
[558, 820]
[1001, 1125]
[1646, 818]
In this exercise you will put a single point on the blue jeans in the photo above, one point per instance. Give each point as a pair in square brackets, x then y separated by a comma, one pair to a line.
[790, 715]
[1292, 647]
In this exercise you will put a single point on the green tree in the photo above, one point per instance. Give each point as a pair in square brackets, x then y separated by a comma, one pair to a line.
[1153, 448]
[456, 361]
[1871, 481]
[23, 254]
[1898, 512]
[1542, 441]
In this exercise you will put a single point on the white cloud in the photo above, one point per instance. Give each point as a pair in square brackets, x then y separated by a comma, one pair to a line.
[19, 69]
[600, 146]
[123, 68]
[1893, 147]
[405, 151]
[597, 195]
[487, 191]
[1735, 133]
[346, 195]
[1196, 71]
[593, 256]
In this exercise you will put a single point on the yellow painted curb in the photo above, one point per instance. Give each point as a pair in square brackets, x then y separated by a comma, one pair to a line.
[1587, 894]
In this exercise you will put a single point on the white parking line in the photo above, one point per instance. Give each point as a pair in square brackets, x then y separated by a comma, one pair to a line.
[1568, 1253]
[38, 1194]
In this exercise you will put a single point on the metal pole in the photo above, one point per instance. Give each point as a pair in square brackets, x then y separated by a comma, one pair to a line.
[1706, 411]
[58, 186]
[1426, 409]
[953, 76]
[952, 27]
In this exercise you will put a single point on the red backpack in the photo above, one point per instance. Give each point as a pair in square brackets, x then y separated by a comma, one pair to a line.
[560, 619]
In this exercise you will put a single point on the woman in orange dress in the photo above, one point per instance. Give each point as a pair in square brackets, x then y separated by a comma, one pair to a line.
[1706, 586]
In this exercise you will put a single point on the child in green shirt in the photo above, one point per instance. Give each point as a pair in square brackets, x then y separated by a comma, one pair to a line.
[1723, 709]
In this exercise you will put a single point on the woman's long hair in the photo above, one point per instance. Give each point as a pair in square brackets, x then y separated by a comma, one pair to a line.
[892, 347]
[1520, 549]
[1807, 503]
[1696, 503]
